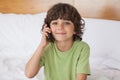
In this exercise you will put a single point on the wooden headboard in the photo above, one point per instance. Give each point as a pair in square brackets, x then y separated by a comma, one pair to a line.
[104, 9]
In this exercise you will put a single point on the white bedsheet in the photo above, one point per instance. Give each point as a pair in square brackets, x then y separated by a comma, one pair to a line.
[20, 35]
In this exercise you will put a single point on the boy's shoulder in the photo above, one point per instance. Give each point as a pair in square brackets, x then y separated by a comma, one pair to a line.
[81, 43]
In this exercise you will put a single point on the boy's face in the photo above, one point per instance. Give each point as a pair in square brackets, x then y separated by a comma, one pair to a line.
[62, 29]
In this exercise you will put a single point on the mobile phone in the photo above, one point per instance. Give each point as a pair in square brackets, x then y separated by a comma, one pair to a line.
[50, 36]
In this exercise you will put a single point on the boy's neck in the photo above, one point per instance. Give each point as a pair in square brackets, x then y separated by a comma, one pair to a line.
[64, 45]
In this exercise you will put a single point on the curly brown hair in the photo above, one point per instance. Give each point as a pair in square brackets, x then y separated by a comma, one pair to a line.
[67, 12]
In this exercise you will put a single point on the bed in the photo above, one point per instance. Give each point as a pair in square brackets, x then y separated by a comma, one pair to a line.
[20, 33]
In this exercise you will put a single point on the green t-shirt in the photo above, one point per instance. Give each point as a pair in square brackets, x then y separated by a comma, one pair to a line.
[65, 65]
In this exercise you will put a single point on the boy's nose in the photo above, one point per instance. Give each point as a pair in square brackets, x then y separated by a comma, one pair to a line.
[60, 26]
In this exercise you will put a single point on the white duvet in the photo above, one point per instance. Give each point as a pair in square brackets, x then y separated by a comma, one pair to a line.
[20, 35]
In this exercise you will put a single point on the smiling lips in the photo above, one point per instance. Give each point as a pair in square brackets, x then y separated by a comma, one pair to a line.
[60, 33]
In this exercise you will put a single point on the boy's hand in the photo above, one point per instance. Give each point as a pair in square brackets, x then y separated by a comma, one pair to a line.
[45, 32]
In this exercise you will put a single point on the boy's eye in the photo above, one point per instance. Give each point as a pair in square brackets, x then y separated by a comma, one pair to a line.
[67, 23]
[54, 23]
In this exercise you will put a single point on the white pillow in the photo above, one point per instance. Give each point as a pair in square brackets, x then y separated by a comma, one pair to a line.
[20, 34]
[103, 36]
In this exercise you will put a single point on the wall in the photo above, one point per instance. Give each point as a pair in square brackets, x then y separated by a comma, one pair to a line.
[105, 9]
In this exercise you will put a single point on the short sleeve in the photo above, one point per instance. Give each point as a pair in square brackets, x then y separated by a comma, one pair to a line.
[44, 55]
[83, 61]
[42, 61]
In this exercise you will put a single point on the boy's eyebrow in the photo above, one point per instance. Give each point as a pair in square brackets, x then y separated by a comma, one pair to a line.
[53, 20]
